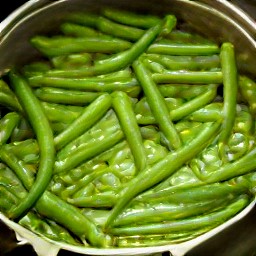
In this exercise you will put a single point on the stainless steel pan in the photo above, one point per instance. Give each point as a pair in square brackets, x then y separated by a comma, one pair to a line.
[219, 20]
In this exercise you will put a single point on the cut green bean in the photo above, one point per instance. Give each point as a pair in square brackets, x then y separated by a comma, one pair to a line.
[157, 104]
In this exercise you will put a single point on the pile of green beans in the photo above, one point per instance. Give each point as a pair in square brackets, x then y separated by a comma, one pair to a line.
[126, 132]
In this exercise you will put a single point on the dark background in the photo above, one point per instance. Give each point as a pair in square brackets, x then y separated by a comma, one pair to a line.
[238, 240]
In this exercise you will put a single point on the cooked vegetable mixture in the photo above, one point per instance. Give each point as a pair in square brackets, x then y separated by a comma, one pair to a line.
[128, 131]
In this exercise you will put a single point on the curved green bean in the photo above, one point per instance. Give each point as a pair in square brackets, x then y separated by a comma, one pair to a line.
[44, 136]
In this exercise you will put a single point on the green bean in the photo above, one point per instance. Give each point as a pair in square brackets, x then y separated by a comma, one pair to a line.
[8, 98]
[77, 30]
[208, 220]
[22, 131]
[166, 46]
[230, 170]
[44, 136]
[82, 18]
[25, 150]
[247, 87]
[186, 36]
[63, 45]
[194, 104]
[164, 168]
[210, 113]
[123, 108]
[185, 91]
[65, 96]
[192, 63]
[157, 240]
[88, 117]
[97, 146]
[152, 66]
[202, 192]
[189, 77]
[101, 200]
[40, 80]
[7, 125]
[182, 110]
[117, 61]
[131, 18]
[76, 60]
[61, 113]
[119, 30]
[46, 227]
[129, 85]
[230, 87]
[155, 213]
[35, 68]
[157, 104]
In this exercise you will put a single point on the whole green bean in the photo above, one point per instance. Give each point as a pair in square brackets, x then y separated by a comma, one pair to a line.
[188, 77]
[125, 113]
[155, 213]
[119, 30]
[192, 63]
[63, 45]
[117, 61]
[44, 136]
[164, 168]
[206, 220]
[203, 192]
[88, 117]
[230, 88]
[157, 104]
[65, 96]
[131, 18]
[129, 85]
[166, 46]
